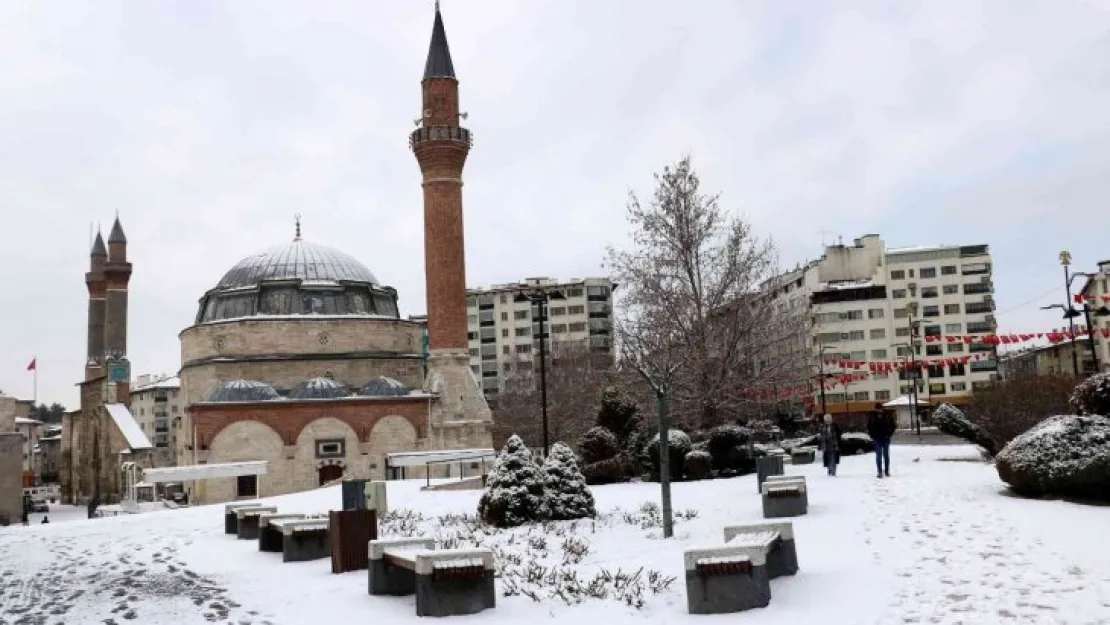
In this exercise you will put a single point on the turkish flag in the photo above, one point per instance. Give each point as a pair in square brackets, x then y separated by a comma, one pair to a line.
[34, 366]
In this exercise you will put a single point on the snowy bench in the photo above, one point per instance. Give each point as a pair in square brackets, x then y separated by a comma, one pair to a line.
[231, 519]
[803, 455]
[270, 536]
[447, 582]
[785, 496]
[737, 576]
[246, 521]
[303, 539]
[767, 466]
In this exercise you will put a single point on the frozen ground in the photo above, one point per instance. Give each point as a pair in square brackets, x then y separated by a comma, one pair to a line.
[940, 542]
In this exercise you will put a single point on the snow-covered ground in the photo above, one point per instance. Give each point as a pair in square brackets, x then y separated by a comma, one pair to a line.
[940, 542]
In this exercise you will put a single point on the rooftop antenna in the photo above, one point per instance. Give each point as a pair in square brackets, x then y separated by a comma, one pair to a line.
[824, 243]
[297, 220]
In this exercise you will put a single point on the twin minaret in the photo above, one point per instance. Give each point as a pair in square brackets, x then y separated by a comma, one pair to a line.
[441, 146]
[107, 279]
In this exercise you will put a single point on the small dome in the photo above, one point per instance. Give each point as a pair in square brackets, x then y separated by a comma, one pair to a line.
[243, 390]
[382, 386]
[319, 388]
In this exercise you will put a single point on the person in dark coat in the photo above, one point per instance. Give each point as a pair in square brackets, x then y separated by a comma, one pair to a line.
[45, 520]
[829, 440]
[881, 426]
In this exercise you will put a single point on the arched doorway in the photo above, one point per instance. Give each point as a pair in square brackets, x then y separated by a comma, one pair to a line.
[330, 473]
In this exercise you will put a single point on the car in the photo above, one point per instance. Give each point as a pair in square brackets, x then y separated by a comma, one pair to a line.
[39, 504]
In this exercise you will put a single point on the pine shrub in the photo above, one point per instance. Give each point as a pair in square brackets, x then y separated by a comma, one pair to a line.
[568, 497]
[598, 444]
[515, 488]
[1092, 396]
[678, 446]
[697, 465]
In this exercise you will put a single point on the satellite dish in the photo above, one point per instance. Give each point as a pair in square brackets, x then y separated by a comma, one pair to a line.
[417, 121]
[464, 115]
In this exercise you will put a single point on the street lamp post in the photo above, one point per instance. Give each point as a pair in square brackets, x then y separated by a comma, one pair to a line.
[1065, 260]
[539, 298]
[1070, 313]
[911, 310]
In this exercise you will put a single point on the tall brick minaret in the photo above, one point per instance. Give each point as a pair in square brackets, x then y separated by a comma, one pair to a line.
[117, 275]
[94, 280]
[441, 146]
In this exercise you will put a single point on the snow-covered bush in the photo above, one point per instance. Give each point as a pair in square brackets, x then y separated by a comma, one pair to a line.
[952, 421]
[802, 441]
[598, 444]
[515, 488]
[1064, 456]
[728, 447]
[609, 471]
[697, 465]
[678, 445]
[1011, 407]
[568, 497]
[1092, 396]
[617, 413]
[852, 443]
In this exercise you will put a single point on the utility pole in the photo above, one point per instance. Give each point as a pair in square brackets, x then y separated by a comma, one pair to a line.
[1065, 260]
[664, 458]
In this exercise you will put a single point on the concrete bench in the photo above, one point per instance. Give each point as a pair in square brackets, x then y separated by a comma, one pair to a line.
[767, 466]
[303, 539]
[231, 520]
[774, 540]
[737, 576]
[803, 455]
[270, 536]
[785, 496]
[246, 522]
[447, 582]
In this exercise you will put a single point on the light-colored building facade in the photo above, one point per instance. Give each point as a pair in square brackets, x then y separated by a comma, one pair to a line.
[863, 300]
[1053, 359]
[1096, 298]
[155, 402]
[503, 324]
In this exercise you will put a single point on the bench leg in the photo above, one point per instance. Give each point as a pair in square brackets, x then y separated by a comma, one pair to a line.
[231, 524]
[455, 597]
[302, 547]
[724, 594]
[390, 580]
[269, 540]
[248, 528]
[780, 507]
[782, 559]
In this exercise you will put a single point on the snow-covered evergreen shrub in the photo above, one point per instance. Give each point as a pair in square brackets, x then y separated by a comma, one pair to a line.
[678, 445]
[727, 446]
[1092, 396]
[697, 465]
[952, 421]
[568, 497]
[515, 488]
[1064, 456]
[802, 441]
[608, 471]
[598, 444]
[617, 413]
[764, 431]
[852, 443]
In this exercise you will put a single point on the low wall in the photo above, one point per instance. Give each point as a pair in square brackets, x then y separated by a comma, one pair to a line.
[469, 483]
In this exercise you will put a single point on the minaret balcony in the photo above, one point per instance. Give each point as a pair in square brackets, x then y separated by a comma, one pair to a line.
[452, 134]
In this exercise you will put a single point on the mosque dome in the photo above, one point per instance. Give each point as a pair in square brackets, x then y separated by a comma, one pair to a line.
[298, 278]
[319, 388]
[382, 386]
[243, 390]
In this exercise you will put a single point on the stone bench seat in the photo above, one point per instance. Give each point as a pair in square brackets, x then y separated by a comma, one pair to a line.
[785, 497]
[231, 519]
[246, 521]
[737, 576]
[446, 582]
[303, 539]
[775, 541]
[270, 536]
[803, 455]
[767, 466]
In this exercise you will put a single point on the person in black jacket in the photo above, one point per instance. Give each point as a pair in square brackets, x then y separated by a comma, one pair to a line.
[880, 426]
[829, 441]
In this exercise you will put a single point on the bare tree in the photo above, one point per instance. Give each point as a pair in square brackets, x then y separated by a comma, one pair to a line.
[575, 380]
[693, 273]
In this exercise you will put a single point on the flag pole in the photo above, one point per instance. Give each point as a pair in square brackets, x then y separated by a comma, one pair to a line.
[35, 388]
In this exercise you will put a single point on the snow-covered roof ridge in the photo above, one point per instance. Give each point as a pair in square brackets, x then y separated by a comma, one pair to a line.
[127, 425]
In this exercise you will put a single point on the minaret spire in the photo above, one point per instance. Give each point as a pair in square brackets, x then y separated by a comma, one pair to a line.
[439, 63]
[297, 231]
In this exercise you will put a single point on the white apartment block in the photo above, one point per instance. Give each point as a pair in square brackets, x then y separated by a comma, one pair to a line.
[155, 403]
[1097, 301]
[860, 297]
[503, 324]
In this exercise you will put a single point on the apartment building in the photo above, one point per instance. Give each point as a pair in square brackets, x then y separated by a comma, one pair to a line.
[503, 323]
[1052, 359]
[864, 299]
[155, 402]
[1096, 301]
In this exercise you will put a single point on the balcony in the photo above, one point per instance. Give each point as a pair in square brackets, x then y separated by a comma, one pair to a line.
[452, 134]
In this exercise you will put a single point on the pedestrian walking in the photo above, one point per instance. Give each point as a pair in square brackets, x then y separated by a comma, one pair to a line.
[881, 426]
[830, 444]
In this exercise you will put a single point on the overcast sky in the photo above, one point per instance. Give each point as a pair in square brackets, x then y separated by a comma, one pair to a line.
[208, 124]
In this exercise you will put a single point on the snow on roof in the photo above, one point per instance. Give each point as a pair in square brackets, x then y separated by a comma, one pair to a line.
[27, 421]
[169, 382]
[916, 248]
[904, 402]
[127, 425]
[204, 471]
[845, 284]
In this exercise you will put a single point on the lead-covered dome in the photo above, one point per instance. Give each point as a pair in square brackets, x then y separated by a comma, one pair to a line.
[382, 386]
[319, 388]
[298, 278]
[243, 390]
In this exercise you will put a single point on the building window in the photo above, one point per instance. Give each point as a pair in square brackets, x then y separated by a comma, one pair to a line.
[928, 272]
[955, 348]
[875, 313]
[882, 395]
[558, 311]
[520, 314]
[523, 349]
[246, 486]
[861, 396]
[930, 311]
[936, 389]
[331, 448]
[936, 371]
[900, 313]
[878, 354]
[951, 289]
[834, 398]
[929, 292]
[951, 309]
[574, 292]
[828, 337]
[933, 350]
[472, 319]
[853, 315]
[898, 293]
[854, 335]
[948, 270]
[932, 330]
[958, 386]
[878, 333]
[504, 316]
[523, 332]
[576, 310]
[953, 328]
[504, 333]
[898, 274]
[505, 350]
[577, 327]
[957, 369]
[901, 331]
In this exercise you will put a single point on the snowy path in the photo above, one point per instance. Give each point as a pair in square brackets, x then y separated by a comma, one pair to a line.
[958, 557]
